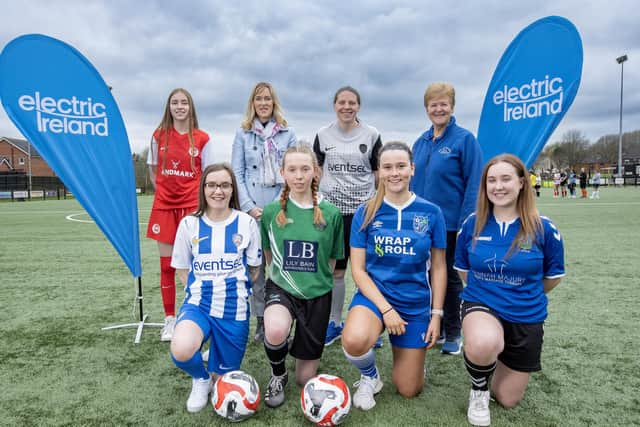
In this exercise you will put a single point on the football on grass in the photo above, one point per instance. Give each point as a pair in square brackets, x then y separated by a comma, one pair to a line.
[235, 396]
[325, 400]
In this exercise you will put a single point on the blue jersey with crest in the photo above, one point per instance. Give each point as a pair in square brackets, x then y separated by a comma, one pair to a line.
[217, 255]
[398, 244]
[511, 284]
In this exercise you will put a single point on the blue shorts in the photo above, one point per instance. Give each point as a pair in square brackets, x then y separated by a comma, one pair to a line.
[415, 329]
[228, 338]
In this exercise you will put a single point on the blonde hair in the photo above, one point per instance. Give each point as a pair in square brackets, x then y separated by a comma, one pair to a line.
[166, 124]
[375, 202]
[278, 112]
[530, 222]
[318, 218]
[438, 89]
[234, 201]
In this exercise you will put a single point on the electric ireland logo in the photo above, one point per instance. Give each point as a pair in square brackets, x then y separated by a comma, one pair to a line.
[530, 100]
[67, 115]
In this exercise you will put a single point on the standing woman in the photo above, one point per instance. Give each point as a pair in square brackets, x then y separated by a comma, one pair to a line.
[257, 153]
[395, 237]
[301, 238]
[216, 251]
[179, 152]
[510, 257]
[347, 152]
[448, 167]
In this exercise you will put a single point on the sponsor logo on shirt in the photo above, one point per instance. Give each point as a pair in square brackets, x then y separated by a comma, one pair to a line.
[216, 265]
[346, 168]
[300, 255]
[497, 273]
[393, 245]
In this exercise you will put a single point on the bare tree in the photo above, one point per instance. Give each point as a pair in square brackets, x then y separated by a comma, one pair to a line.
[572, 149]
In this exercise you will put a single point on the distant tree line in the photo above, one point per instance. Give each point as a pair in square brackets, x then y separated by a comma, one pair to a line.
[574, 149]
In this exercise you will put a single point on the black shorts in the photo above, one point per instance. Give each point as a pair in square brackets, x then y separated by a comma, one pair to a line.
[522, 341]
[311, 317]
[341, 264]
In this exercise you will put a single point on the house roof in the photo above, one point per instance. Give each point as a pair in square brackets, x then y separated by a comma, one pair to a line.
[22, 145]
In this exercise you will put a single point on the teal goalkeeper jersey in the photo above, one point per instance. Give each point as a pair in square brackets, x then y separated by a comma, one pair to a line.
[300, 250]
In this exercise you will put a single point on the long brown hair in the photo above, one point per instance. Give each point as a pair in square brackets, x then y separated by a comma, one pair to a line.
[278, 112]
[530, 222]
[375, 202]
[318, 218]
[234, 202]
[166, 124]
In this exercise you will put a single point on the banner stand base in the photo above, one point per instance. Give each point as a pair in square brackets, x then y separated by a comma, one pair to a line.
[139, 325]
[143, 318]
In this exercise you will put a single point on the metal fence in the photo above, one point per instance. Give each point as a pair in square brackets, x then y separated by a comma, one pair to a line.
[17, 187]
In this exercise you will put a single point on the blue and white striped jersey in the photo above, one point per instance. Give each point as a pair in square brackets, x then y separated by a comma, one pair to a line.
[217, 255]
[398, 244]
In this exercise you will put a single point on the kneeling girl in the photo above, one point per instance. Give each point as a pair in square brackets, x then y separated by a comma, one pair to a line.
[398, 243]
[302, 238]
[217, 250]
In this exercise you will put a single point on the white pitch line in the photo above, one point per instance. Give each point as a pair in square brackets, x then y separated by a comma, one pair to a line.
[71, 217]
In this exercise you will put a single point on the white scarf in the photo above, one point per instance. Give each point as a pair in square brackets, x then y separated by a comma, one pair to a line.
[270, 154]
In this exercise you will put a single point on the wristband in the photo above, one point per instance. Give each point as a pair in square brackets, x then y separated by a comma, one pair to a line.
[437, 312]
[387, 310]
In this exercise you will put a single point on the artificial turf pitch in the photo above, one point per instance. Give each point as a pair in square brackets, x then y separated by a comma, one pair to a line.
[61, 282]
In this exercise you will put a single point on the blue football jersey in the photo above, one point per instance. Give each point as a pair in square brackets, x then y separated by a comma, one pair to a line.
[511, 285]
[398, 244]
[217, 255]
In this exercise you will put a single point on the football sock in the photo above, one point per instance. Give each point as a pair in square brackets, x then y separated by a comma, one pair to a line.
[479, 374]
[168, 286]
[365, 363]
[337, 300]
[277, 355]
[194, 366]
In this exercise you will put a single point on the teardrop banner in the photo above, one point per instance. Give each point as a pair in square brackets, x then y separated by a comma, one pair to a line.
[61, 104]
[535, 83]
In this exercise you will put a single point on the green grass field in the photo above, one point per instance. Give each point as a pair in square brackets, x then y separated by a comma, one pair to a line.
[62, 281]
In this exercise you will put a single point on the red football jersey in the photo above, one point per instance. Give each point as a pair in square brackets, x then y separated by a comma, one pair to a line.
[177, 184]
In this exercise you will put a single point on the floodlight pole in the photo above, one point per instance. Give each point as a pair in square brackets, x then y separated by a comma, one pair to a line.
[621, 60]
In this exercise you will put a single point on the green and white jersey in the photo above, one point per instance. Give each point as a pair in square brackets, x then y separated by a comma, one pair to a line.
[300, 250]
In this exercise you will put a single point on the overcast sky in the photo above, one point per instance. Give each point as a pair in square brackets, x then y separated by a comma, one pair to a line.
[388, 50]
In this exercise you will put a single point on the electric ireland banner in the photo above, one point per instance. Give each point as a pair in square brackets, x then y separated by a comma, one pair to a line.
[532, 88]
[61, 104]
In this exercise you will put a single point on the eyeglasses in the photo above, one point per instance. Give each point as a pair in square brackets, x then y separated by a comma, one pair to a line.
[224, 186]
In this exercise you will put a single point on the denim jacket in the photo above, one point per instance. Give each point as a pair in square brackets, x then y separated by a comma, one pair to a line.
[247, 161]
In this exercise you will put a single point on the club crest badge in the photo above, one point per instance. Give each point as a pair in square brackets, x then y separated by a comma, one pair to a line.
[193, 151]
[237, 239]
[420, 224]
